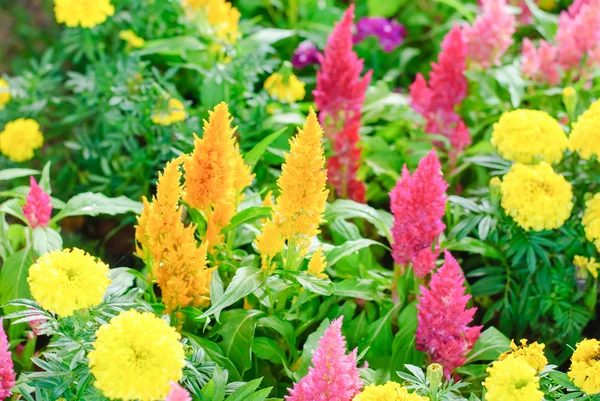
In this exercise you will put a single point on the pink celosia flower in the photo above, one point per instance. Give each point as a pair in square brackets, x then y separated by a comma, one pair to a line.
[7, 370]
[339, 96]
[540, 64]
[443, 330]
[418, 203]
[578, 34]
[37, 208]
[490, 35]
[178, 393]
[334, 375]
[525, 16]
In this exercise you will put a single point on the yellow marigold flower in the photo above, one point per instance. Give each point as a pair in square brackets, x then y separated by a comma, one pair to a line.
[178, 264]
[585, 366]
[175, 113]
[591, 220]
[20, 138]
[512, 379]
[526, 136]
[68, 280]
[83, 13]
[317, 264]
[221, 15]
[533, 354]
[536, 197]
[132, 39]
[391, 391]
[135, 357]
[285, 90]
[4, 93]
[586, 265]
[585, 137]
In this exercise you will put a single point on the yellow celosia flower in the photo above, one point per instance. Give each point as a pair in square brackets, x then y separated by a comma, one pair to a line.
[526, 136]
[4, 93]
[585, 137]
[20, 138]
[591, 220]
[132, 39]
[135, 357]
[585, 366]
[533, 354]
[175, 113]
[268, 243]
[391, 391]
[586, 265]
[512, 379]
[285, 90]
[68, 280]
[179, 265]
[83, 13]
[536, 197]
[317, 264]
[221, 15]
[215, 173]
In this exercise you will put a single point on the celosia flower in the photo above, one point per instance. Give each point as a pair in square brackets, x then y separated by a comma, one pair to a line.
[585, 366]
[536, 197]
[339, 96]
[490, 36]
[578, 34]
[391, 391]
[527, 136]
[533, 354]
[305, 54]
[317, 264]
[174, 113]
[269, 243]
[389, 32]
[37, 208]
[178, 393]
[443, 330]
[585, 136]
[586, 265]
[20, 138]
[66, 281]
[591, 220]
[286, 89]
[7, 371]
[4, 93]
[418, 204]
[132, 39]
[512, 379]
[539, 64]
[525, 15]
[178, 264]
[135, 357]
[83, 13]
[334, 375]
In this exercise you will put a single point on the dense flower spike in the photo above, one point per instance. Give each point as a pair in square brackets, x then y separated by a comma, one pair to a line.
[539, 64]
[317, 264]
[443, 330]
[533, 354]
[536, 197]
[179, 265]
[285, 89]
[174, 112]
[66, 281]
[585, 136]
[20, 138]
[585, 366]
[391, 391]
[591, 220]
[437, 99]
[334, 375]
[178, 393]
[305, 54]
[491, 34]
[136, 356]
[37, 208]
[83, 13]
[389, 32]
[578, 35]
[512, 379]
[339, 96]
[418, 203]
[528, 136]
[4, 93]
[7, 371]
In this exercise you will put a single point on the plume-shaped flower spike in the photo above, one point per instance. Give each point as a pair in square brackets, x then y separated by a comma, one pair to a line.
[37, 208]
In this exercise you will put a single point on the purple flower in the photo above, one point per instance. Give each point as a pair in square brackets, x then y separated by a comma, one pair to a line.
[305, 54]
[390, 32]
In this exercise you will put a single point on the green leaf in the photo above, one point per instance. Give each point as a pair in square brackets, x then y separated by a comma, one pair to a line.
[379, 340]
[11, 173]
[356, 288]
[270, 35]
[171, 46]
[269, 350]
[489, 346]
[237, 330]
[93, 204]
[403, 347]
[387, 8]
[314, 284]
[348, 248]
[245, 281]
[13, 276]
[309, 347]
[13, 207]
[490, 285]
[545, 23]
[472, 245]
[281, 326]
[216, 354]
[46, 240]
[460, 8]
[254, 155]
[245, 391]
[247, 215]
[347, 209]
[45, 179]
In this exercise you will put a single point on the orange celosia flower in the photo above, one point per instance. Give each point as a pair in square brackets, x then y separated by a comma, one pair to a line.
[179, 266]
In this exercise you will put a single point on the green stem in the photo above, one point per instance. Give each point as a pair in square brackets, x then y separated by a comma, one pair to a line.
[291, 256]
